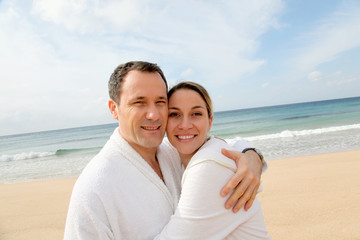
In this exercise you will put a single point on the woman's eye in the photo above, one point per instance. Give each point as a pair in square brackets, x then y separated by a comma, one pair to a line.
[173, 115]
[197, 114]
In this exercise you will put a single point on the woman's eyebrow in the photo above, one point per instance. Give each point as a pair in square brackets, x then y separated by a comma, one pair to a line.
[195, 107]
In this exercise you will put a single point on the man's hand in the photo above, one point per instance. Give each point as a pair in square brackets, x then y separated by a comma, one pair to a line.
[246, 180]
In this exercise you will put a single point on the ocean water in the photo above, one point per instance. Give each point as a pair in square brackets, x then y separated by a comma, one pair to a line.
[279, 131]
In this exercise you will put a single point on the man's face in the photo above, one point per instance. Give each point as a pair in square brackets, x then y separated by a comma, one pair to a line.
[142, 111]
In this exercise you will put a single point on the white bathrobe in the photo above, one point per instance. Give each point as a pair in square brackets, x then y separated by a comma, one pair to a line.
[119, 196]
[201, 214]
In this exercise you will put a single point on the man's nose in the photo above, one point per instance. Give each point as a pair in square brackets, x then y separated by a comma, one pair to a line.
[153, 113]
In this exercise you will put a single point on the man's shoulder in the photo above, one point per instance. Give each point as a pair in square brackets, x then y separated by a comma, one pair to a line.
[101, 168]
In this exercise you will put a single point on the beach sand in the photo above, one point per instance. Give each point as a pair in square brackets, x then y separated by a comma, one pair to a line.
[313, 197]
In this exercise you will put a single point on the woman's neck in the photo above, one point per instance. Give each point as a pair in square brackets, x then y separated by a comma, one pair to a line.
[185, 158]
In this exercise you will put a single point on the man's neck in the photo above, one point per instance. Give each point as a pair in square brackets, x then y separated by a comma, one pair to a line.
[149, 155]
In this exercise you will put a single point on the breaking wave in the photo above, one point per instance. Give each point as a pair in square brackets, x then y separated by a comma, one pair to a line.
[292, 133]
[32, 155]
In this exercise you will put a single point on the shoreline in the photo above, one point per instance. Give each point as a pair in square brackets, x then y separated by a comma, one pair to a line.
[57, 176]
[307, 197]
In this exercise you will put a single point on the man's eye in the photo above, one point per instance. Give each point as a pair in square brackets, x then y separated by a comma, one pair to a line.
[138, 102]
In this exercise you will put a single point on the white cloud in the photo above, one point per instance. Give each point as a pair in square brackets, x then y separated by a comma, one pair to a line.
[333, 79]
[89, 16]
[265, 85]
[342, 81]
[188, 72]
[57, 55]
[315, 76]
[197, 32]
[334, 35]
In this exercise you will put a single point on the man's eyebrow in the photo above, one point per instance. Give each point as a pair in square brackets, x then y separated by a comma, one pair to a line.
[142, 98]
[137, 98]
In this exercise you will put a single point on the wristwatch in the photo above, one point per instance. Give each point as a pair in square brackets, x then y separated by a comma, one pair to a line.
[258, 153]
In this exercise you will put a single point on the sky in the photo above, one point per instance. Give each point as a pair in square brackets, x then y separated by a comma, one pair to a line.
[56, 56]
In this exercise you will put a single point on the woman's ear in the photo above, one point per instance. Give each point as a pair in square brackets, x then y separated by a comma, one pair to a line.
[113, 109]
[210, 122]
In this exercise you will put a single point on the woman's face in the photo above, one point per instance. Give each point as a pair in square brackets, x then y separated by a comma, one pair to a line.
[188, 122]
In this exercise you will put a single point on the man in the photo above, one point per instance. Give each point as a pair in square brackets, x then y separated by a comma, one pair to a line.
[131, 188]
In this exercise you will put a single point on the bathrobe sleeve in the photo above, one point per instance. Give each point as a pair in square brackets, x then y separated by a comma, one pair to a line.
[87, 217]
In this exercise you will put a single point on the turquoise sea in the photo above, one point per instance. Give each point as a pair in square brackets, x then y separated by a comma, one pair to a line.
[279, 131]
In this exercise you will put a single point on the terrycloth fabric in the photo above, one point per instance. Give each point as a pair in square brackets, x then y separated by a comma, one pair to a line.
[119, 196]
[201, 213]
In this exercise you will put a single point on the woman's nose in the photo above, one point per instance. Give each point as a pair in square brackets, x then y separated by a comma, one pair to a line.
[185, 123]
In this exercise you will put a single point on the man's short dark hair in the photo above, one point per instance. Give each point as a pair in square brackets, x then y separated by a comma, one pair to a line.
[117, 77]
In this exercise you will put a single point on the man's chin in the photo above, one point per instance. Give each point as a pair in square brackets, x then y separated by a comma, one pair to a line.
[152, 143]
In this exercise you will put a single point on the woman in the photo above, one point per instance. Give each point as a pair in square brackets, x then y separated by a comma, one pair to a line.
[200, 213]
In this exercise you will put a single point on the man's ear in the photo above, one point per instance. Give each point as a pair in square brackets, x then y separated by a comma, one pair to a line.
[113, 109]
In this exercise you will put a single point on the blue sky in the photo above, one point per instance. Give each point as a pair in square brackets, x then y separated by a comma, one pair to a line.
[57, 56]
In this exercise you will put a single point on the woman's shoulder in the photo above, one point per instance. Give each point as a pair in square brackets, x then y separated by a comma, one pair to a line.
[211, 152]
[214, 144]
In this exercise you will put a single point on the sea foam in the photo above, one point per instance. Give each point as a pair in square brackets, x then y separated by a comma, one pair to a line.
[24, 156]
[293, 133]
[32, 154]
